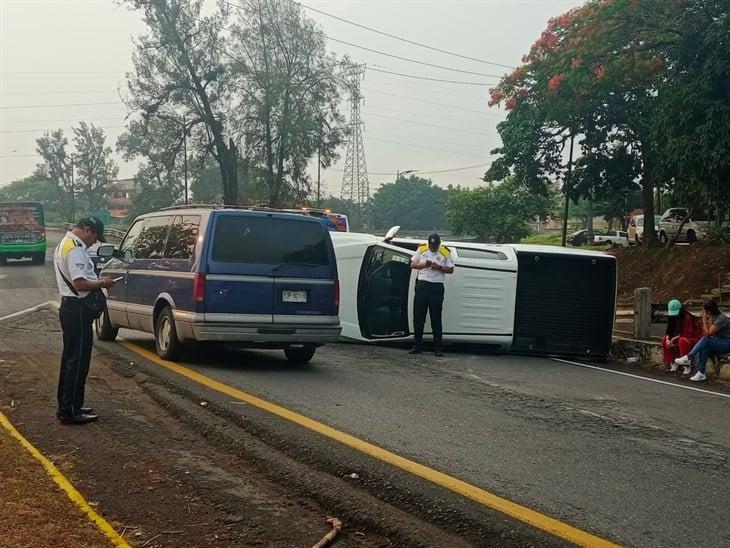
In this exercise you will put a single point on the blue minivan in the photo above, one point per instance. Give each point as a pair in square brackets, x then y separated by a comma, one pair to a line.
[252, 278]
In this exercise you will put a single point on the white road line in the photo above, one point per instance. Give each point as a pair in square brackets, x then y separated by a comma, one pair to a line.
[676, 385]
[27, 310]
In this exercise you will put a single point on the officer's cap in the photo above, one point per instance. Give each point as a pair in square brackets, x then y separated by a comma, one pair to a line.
[95, 225]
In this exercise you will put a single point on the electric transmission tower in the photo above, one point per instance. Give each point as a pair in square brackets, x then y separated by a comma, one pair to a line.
[355, 185]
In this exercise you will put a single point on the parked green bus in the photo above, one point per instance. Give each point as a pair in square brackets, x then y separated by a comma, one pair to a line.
[22, 232]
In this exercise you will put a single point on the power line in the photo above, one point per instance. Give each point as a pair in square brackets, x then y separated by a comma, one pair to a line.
[447, 118]
[451, 170]
[62, 105]
[57, 92]
[437, 141]
[20, 156]
[370, 90]
[52, 129]
[421, 146]
[432, 48]
[409, 60]
[429, 79]
[62, 120]
[427, 125]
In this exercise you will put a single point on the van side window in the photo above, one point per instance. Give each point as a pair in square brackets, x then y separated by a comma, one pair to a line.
[471, 253]
[182, 237]
[130, 240]
[151, 243]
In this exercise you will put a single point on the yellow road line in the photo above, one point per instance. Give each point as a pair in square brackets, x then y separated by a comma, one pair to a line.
[512, 509]
[66, 486]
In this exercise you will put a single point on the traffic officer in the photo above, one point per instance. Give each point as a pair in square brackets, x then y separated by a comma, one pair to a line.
[76, 277]
[433, 261]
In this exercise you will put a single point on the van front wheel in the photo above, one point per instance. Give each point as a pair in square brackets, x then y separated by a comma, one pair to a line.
[167, 344]
[300, 355]
[105, 331]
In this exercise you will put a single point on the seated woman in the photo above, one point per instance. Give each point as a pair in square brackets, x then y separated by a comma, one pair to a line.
[716, 339]
[683, 332]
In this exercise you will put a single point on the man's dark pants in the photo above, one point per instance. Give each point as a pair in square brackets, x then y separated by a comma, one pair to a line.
[77, 341]
[429, 298]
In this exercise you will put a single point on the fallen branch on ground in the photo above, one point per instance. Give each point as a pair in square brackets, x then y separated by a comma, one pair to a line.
[332, 535]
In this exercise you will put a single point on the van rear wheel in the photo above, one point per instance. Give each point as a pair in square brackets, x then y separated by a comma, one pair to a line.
[300, 355]
[105, 331]
[167, 344]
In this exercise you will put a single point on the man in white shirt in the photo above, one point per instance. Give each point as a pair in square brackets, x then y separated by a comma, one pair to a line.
[433, 261]
[76, 277]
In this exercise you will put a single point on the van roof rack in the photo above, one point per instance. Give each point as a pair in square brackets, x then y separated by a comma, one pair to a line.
[221, 206]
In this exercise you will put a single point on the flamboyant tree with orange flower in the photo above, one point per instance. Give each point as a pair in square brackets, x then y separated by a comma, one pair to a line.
[594, 78]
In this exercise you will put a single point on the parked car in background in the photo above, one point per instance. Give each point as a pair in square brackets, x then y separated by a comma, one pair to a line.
[612, 237]
[259, 279]
[578, 238]
[677, 223]
[636, 228]
[22, 232]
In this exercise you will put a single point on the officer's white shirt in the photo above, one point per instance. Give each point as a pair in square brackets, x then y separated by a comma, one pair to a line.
[441, 257]
[72, 258]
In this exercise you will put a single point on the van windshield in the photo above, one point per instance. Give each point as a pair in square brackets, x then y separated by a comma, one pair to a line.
[271, 240]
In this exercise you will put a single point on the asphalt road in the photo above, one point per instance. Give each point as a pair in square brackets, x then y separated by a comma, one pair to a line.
[636, 461]
[639, 462]
[23, 284]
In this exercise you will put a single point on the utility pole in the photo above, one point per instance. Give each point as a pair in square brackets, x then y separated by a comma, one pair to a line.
[185, 157]
[567, 192]
[319, 165]
[73, 192]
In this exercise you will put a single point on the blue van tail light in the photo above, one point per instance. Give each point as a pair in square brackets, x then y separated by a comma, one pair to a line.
[199, 288]
[337, 292]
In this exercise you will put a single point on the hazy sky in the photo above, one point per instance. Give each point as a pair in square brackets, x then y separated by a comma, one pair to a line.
[58, 52]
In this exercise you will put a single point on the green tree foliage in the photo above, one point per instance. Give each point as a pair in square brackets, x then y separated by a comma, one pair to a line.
[56, 168]
[600, 73]
[94, 165]
[178, 78]
[287, 95]
[35, 188]
[413, 203]
[693, 111]
[498, 213]
[206, 184]
[157, 144]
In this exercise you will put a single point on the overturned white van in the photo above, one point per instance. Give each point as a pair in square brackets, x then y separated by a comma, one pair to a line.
[521, 298]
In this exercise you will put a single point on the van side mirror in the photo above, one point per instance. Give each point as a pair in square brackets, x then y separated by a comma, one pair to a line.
[105, 251]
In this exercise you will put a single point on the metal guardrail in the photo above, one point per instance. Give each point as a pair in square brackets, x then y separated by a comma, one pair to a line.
[113, 233]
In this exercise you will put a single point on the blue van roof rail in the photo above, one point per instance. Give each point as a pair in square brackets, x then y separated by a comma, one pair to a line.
[219, 206]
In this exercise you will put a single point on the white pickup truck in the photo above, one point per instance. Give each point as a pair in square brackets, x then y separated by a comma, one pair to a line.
[612, 237]
[677, 220]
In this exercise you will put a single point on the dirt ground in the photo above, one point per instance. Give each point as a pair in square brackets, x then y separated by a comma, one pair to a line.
[157, 482]
[33, 509]
[682, 272]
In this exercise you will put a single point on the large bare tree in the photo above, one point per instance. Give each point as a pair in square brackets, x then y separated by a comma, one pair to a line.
[178, 74]
[287, 91]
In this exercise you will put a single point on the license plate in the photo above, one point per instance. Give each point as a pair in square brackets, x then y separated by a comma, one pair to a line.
[294, 296]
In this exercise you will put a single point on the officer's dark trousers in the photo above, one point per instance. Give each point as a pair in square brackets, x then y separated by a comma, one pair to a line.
[429, 298]
[77, 341]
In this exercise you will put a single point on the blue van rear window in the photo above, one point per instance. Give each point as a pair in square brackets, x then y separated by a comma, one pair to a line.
[273, 240]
